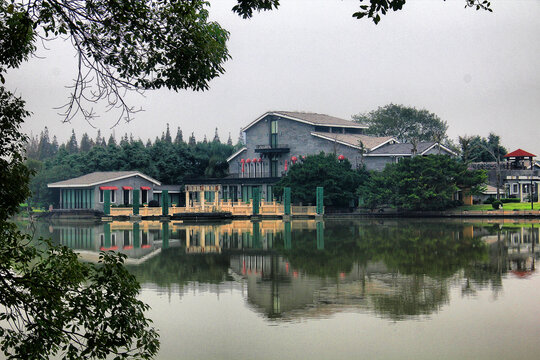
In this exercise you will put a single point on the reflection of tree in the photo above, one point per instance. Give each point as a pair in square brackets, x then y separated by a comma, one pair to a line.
[419, 260]
[412, 295]
[174, 266]
[339, 254]
[436, 250]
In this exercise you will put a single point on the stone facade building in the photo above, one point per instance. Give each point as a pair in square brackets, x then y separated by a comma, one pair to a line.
[278, 139]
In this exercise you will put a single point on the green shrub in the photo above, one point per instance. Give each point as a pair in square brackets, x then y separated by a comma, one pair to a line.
[497, 204]
[510, 200]
[489, 200]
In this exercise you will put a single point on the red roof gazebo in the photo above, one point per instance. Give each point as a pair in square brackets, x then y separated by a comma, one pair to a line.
[517, 158]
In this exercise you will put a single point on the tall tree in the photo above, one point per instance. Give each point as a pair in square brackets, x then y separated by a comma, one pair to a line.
[179, 139]
[229, 140]
[240, 141]
[72, 146]
[216, 137]
[111, 141]
[86, 143]
[192, 141]
[44, 147]
[404, 123]
[168, 137]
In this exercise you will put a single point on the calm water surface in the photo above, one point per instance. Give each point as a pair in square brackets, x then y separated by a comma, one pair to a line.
[380, 289]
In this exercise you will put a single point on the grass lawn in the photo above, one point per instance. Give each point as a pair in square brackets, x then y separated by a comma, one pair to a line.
[508, 206]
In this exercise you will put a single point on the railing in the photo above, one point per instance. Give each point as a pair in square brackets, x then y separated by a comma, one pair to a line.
[236, 208]
[121, 211]
[269, 147]
[149, 211]
[304, 210]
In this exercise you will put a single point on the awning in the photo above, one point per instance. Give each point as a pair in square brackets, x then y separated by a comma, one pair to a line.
[127, 188]
[108, 188]
[145, 187]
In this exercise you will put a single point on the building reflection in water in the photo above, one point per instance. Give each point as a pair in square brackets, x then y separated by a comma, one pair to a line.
[393, 268]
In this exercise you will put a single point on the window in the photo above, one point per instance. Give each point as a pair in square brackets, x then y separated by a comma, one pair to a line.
[273, 133]
[126, 197]
[515, 188]
[273, 168]
[144, 196]
[102, 196]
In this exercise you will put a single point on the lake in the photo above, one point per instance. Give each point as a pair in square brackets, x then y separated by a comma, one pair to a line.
[338, 289]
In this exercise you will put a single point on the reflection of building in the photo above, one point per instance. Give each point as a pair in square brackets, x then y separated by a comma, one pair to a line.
[280, 291]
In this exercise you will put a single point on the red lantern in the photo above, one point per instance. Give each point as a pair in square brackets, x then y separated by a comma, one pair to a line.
[242, 161]
[341, 157]
[248, 161]
[286, 165]
[254, 160]
[293, 159]
[260, 160]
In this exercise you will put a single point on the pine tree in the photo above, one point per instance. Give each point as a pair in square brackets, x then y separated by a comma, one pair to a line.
[72, 146]
[240, 139]
[32, 147]
[205, 141]
[124, 140]
[148, 143]
[216, 137]
[44, 147]
[179, 138]
[112, 141]
[168, 137]
[99, 139]
[229, 140]
[86, 145]
[192, 141]
[54, 146]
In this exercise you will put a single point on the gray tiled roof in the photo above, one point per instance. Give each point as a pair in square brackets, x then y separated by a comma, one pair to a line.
[354, 139]
[319, 119]
[98, 177]
[402, 148]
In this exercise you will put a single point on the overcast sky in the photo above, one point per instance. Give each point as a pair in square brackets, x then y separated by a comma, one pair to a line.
[478, 71]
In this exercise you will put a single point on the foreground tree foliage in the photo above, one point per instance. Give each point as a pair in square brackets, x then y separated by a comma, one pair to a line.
[338, 178]
[421, 183]
[50, 303]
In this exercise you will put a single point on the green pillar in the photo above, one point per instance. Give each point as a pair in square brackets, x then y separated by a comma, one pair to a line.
[320, 200]
[107, 202]
[107, 235]
[287, 200]
[136, 201]
[165, 203]
[288, 235]
[256, 200]
[256, 235]
[91, 192]
[136, 236]
[320, 235]
[165, 234]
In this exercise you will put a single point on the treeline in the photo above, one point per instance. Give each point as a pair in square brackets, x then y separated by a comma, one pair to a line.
[168, 160]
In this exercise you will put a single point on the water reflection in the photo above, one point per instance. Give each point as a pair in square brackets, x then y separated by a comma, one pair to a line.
[310, 269]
